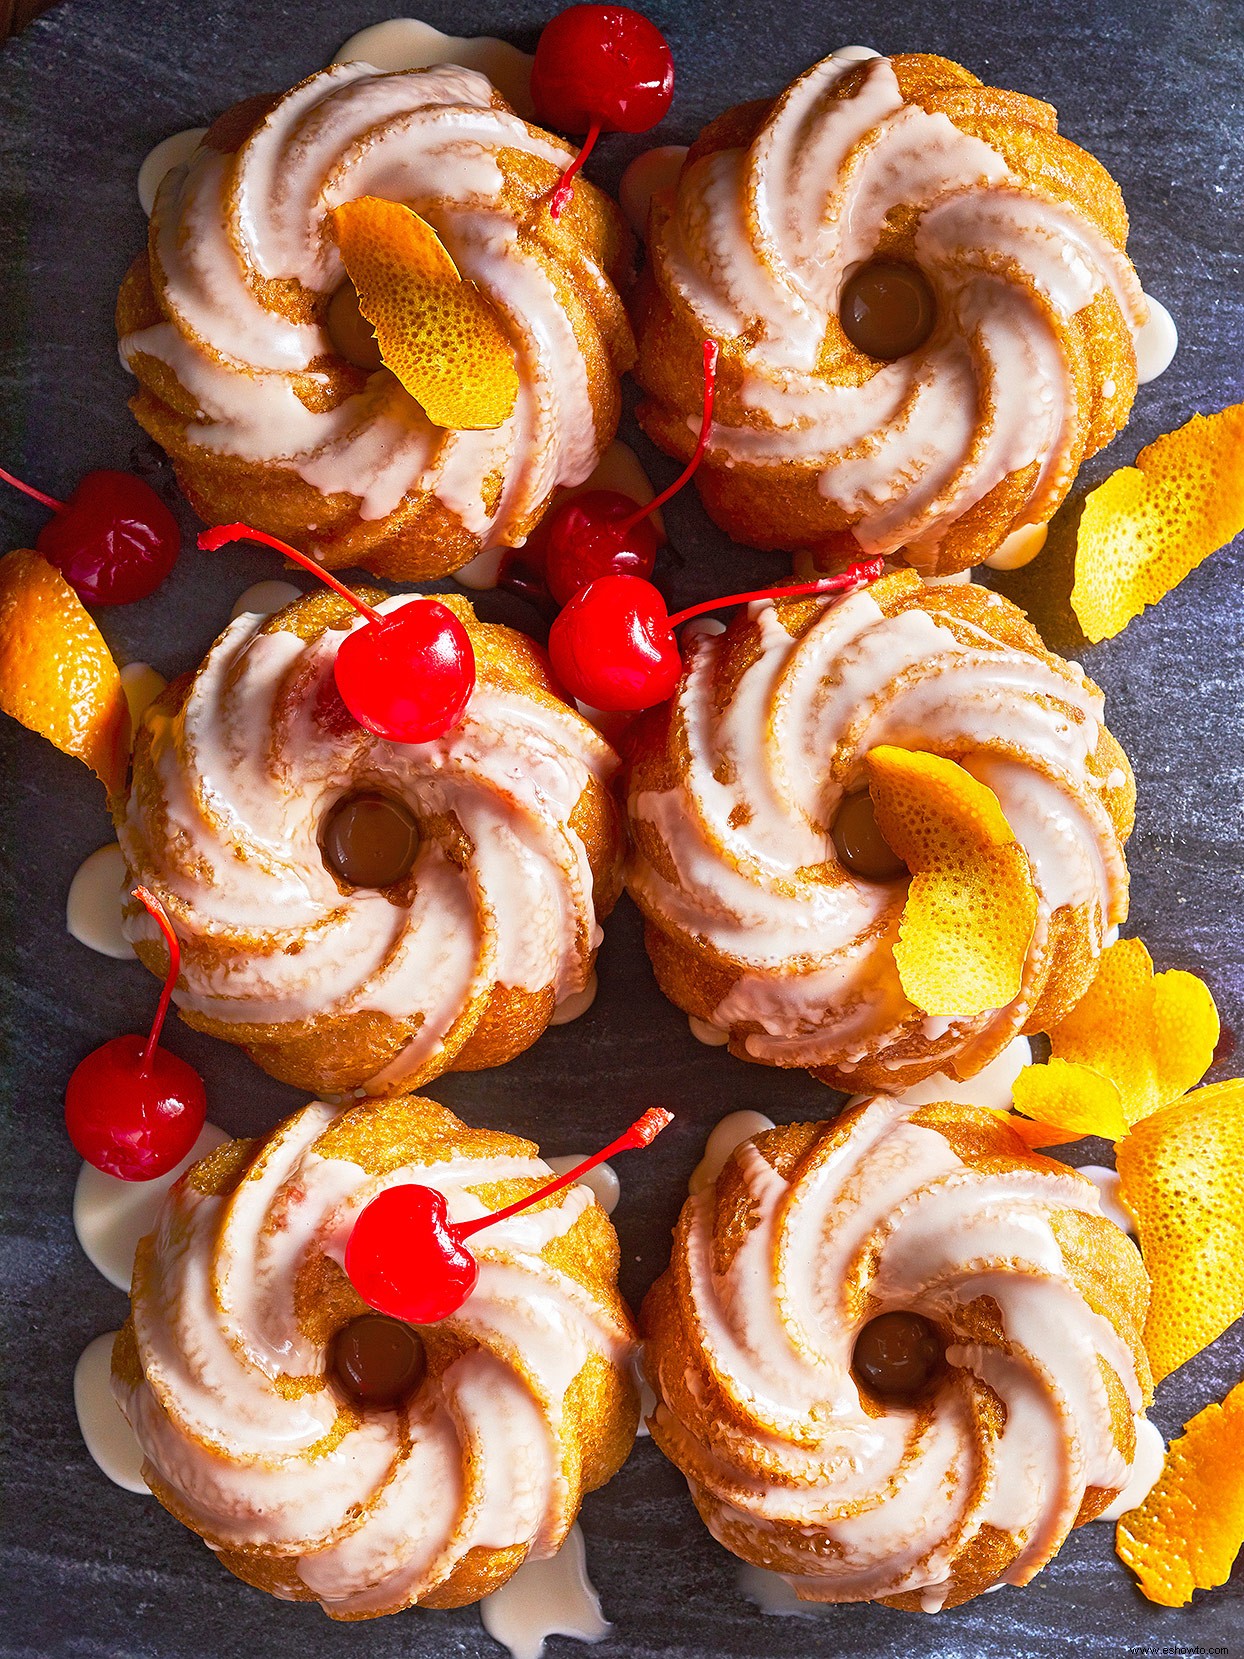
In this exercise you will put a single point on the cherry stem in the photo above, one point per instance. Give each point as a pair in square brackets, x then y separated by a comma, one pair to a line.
[561, 190]
[706, 426]
[29, 489]
[221, 534]
[159, 916]
[641, 1133]
[853, 576]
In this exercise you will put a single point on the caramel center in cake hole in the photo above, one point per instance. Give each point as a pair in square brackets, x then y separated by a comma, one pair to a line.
[377, 1362]
[369, 839]
[353, 337]
[887, 310]
[898, 1357]
[859, 843]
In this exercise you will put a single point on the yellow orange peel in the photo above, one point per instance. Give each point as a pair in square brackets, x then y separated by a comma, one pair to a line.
[1179, 1176]
[57, 676]
[1187, 1533]
[1064, 1097]
[439, 335]
[1148, 526]
[971, 904]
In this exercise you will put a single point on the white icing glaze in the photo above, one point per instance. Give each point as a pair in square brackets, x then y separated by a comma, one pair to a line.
[481, 572]
[760, 241]
[553, 1597]
[110, 1216]
[1146, 1467]
[475, 1460]
[409, 43]
[813, 960]
[722, 1143]
[991, 1086]
[141, 684]
[264, 598]
[577, 1003]
[1107, 1183]
[1157, 342]
[772, 1594]
[246, 771]
[602, 1181]
[94, 904]
[1020, 547]
[431, 138]
[888, 1216]
[656, 169]
[108, 1437]
[170, 152]
[711, 1036]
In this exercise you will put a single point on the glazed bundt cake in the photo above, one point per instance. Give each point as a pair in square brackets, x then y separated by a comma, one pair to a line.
[898, 1357]
[262, 383]
[512, 1408]
[358, 913]
[925, 312]
[758, 920]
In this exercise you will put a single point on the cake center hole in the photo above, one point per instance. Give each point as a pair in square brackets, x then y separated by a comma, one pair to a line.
[887, 310]
[859, 843]
[376, 1361]
[369, 839]
[898, 1356]
[353, 337]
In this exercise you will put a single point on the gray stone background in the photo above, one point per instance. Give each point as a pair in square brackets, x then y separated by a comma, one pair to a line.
[1153, 90]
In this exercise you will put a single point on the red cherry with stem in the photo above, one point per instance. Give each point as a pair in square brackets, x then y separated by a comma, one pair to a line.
[604, 533]
[613, 646]
[408, 675]
[406, 1258]
[133, 1109]
[113, 541]
[599, 69]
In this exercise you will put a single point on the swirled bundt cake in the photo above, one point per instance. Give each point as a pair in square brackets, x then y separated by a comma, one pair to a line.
[358, 913]
[237, 321]
[433, 1486]
[757, 919]
[924, 306]
[899, 1356]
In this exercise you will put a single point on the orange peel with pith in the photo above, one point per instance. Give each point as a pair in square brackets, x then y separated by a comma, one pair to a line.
[57, 676]
[1149, 526]
[440, 335]
[1187, 1533]
[1179, 1176]
[971, 904]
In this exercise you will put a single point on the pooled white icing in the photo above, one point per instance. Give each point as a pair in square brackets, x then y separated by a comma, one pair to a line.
[552, 1597]
[577, 1003]
[264, 599]
[481, 572]
[1107, 1183]
[602, 1181]
[722, 1143]
[1157, 342]
[990, 1087]
[656, 169]
[814, 975]
[888, 1216]
[475, 1460]
[246, 771]
[772, 1594]
[760, 242]
[710, 1035]
[431, 138]
[170, 152]
[94, 903]
[1020, 547]
[141, 684]
[110, 1216]
[108, 1437]
[1146, 1467]
[409, 43]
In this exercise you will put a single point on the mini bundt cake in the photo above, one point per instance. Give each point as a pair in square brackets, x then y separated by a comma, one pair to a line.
[898, 1356]
[358, 913]
[234, 324]
[507, 1412]
[926, 315]
[756, 922]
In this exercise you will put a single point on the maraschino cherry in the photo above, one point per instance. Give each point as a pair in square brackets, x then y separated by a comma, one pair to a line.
[408, 675]
[604, 533]
[133, 1109]
[613, 646]
[407, 1259]
[599, 69]
[113, 541]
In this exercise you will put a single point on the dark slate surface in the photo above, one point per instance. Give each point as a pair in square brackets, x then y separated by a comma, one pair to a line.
[90, 1570]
